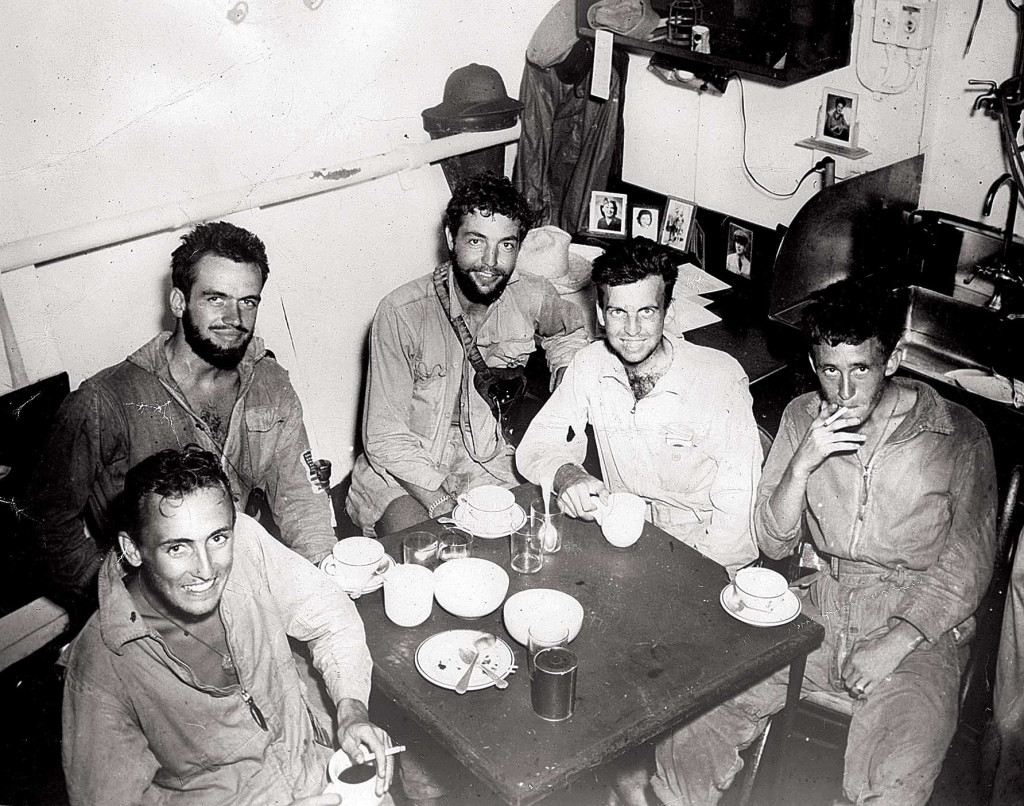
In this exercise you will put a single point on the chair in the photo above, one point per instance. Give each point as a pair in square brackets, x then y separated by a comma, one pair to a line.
[975, 700]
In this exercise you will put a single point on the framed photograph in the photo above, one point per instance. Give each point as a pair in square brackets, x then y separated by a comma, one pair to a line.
[644, 222]
[697, 243]
[739, 250]
[608, 213]
[675, 231]
[837, 118]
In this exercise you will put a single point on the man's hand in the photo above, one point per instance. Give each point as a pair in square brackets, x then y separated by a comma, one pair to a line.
[577, 491]
[826, 436]
[873, 660]
[356, 730]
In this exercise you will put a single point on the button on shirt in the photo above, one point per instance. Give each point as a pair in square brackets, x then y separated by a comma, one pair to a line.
[690, 446]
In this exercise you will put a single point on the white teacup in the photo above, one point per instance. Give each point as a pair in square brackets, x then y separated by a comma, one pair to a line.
[488, 503]
[408, 594]
[353, 559]
[622, 518]
[760, 588]
[358, 793]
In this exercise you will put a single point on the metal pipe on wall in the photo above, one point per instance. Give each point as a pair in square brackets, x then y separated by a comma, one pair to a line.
[106, 232]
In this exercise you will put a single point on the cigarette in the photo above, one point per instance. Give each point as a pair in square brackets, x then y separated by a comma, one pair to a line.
[398, 748]
[836, 415]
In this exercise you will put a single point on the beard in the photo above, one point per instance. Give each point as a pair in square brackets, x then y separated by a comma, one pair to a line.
[210, 352]
[470, 290]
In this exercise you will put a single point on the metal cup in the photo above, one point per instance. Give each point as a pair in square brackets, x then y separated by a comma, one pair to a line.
[553, 687]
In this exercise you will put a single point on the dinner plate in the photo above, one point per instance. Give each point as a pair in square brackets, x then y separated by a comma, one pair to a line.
[437, 659]
[788, 610]
[375, 583]
[488, 532]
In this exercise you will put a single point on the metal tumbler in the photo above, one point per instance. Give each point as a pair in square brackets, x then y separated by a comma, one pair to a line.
[553, 688]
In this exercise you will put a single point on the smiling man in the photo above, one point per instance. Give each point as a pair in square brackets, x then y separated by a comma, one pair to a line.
[182, 688]
[672, 420]
[210, 382]
[428, 432]
[896, 489]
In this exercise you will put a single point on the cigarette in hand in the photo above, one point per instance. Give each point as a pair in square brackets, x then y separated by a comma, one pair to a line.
[398, 748]
[836, 415]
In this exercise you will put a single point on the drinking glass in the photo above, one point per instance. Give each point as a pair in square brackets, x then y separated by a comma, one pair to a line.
[525, 550]
[420, 548]
[454, 544]
[542, 636]
[549, 527]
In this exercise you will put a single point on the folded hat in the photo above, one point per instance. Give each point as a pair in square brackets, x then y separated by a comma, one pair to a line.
[545, 252]
[632, 18]
[555, 35]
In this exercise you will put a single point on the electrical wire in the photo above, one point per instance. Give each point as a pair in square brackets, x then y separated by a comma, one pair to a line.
[746, 168]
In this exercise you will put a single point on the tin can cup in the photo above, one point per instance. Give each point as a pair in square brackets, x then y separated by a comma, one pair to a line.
[553, 687]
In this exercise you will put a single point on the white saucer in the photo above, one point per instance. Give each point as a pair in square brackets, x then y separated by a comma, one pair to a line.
[788, 609]
[376, 583]
[437, 659]
[489, 531]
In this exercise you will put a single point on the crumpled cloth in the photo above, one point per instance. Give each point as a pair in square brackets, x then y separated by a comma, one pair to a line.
[632, 18]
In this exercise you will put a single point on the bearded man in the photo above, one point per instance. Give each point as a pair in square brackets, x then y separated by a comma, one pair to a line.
[428, 433]
[210, 382]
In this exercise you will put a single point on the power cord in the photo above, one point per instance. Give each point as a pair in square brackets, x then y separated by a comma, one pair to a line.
[821, 165]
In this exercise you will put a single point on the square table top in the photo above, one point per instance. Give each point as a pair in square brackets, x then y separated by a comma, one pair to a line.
[655, 649]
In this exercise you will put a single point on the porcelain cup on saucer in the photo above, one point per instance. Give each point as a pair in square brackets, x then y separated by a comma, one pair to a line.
[353, 559]
[488, 506]
[760, 588]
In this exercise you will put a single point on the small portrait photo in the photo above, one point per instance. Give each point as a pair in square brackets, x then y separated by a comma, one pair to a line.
[644, 223]
[840, 115]
[697, 243]
[739, 245]
[608, 213]
[675, 232]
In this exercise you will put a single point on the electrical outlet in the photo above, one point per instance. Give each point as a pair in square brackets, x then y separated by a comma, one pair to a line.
[887, 21]
[916, 24]
[904, 23]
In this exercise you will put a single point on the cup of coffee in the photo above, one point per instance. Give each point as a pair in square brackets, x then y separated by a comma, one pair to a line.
[353, 559]
[408, 594]
[356, 783]
[760, 588]
[488, 505]
[622, 518]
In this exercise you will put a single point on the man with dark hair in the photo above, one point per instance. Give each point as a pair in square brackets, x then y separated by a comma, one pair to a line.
[428, 432]
[672, 420]
[182, 688]
[895, 487]
[210, 382]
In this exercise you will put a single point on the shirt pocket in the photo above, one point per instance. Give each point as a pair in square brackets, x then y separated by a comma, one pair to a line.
[682, 461]
[262, 419]
[428, 391]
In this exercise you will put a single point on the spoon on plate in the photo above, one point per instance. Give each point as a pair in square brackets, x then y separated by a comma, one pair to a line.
[382, 566]
[467, 657]
[481, 644]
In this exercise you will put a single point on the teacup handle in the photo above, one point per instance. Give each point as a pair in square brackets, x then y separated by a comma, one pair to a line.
[462, 499]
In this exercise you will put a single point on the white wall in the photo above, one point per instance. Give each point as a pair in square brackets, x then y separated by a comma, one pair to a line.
[117, 106]
[686, 144]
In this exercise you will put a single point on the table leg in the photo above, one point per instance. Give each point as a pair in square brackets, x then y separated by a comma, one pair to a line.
[783, 722]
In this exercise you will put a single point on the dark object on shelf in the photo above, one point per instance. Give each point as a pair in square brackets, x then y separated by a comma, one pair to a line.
[782, 40]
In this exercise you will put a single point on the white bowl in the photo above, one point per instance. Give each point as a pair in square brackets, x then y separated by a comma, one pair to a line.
[537, 605]
[470, 587]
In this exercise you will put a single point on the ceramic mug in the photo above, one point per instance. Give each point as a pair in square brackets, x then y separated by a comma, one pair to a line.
[622, 518]
[350, 781]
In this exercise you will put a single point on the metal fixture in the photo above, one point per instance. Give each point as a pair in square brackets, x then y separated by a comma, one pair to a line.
[999, 268]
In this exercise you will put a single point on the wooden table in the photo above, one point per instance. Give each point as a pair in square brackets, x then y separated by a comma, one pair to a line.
[656, 649]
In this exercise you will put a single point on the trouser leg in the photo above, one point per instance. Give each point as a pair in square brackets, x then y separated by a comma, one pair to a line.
[698, 761]
[899, 736]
